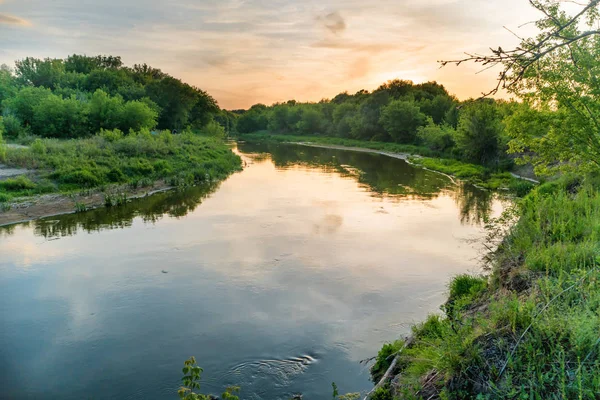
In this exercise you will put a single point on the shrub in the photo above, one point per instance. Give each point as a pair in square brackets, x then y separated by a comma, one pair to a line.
[214, 129]
[38, 147]
[13, 127]
[466, 285]
[80, 177]
[18, 183]
[116, 175]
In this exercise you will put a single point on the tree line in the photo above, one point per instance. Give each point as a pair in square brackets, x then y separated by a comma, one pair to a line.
[81, 95]
[398, 111]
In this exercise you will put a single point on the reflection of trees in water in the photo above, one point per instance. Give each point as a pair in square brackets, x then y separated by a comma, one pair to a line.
[150, 209]
[475, 205]
[8, 230]
[381, 175]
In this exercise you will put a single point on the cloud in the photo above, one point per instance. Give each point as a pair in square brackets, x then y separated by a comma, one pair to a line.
[12, 20]
[359, 68]
[333, 22]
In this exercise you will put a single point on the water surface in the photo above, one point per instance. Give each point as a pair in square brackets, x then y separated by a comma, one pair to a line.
[279, 280]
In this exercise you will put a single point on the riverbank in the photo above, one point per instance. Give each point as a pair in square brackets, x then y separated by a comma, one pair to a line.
[63, 176]
[529, 329]
[416, 155]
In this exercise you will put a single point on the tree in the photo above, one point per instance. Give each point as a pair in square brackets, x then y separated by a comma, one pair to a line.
[22, 105]
[311, 122]
[60, 118]
[36, 72]
[105, 111]
[437, 137]
[555, 73]
[478, 136]
[136, 115]
[8, 86]
[401, 119]
[438, 107]
[253, 120]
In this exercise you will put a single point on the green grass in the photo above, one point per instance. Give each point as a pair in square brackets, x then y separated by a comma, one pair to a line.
[532, 330]
[112, 158]
[422, 156]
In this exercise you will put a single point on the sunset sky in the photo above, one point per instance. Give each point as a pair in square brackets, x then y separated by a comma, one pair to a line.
[249, 51]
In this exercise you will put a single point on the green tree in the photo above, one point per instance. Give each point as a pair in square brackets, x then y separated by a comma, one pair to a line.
[311, 122]
[60, 118]
[105, 111]
[36, 72]
[137, 115]
[478, 136]
[8, 84]
[555, 73]
[401, 120]
[22, 105]
[437, 137]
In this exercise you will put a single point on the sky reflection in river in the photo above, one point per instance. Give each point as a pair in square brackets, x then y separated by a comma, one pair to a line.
[280, 279]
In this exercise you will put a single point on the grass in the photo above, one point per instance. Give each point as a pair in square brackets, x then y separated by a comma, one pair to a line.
[532, 329]
[112, 158]
[422, 156]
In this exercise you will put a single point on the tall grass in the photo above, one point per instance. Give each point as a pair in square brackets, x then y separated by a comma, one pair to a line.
[533, 330]
[113, 158]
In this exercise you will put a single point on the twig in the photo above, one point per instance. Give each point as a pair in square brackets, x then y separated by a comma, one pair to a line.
[390, 369]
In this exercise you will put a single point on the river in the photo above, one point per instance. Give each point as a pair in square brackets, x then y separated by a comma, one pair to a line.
[279, 279]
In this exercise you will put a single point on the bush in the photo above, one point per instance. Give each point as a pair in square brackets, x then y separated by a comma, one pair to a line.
[13, 127]
[466, 285]
[80, 177]
[384, 359]
[18, 183]
[214, 129]
[436, 137]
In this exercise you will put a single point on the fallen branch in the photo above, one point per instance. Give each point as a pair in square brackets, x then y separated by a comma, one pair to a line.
[389, 371]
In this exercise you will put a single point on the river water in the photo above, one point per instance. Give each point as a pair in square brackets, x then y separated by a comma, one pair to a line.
[279, 280]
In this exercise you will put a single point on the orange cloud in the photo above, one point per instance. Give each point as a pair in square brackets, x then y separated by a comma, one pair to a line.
[12, 20]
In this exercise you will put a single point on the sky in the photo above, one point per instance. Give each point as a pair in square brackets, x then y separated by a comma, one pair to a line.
[245, 52]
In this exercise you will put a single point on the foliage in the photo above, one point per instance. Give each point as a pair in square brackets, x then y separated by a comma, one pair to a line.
[531, 331]
[2, 146]
[111, 157]
[80, 95]
[560, 130]
[401, 119]
[191, 381]
[438, 138]
[214, 129]
[424, 115]
[479, 131]
[384, 359]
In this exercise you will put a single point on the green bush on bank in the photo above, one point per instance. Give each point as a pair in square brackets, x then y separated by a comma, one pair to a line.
[111, 157]
[532, 330]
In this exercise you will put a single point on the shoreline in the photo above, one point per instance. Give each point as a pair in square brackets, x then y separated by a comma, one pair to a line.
[400, 156]
[51, 205]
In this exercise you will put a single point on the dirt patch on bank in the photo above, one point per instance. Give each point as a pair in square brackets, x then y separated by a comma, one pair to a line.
[56, 204]
[6, 172]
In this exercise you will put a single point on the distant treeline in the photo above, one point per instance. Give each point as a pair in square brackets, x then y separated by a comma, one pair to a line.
[80, 95]
[397, 111]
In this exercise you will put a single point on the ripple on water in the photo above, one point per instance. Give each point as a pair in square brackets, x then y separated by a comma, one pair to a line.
[279, 371]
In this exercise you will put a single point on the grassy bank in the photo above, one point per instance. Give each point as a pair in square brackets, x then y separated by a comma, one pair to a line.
[529, 330]
[111, 158]
[422, 156]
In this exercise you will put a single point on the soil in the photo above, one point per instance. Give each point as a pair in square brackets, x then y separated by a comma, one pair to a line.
[57, 204]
